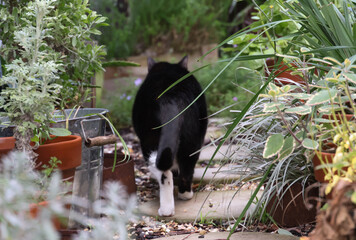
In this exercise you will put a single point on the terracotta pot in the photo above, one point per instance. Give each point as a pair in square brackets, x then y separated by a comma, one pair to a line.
[327, 158]
[123, 172]
[60, 223]
[68, 149]
[319, 174]
[6, 145]
[339, 117]
[36, 207]
[284, 76]
[291, 210]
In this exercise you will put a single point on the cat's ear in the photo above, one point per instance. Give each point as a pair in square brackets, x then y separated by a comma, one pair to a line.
[184, 62]
[150, 63]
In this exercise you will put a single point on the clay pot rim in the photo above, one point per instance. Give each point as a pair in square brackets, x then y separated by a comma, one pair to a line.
[70, 139]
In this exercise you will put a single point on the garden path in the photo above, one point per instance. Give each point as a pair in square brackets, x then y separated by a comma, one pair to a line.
[235, 236]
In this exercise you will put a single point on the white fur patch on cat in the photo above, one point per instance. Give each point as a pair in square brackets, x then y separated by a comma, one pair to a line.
[166, 187]
[166, 196]
[185, 195]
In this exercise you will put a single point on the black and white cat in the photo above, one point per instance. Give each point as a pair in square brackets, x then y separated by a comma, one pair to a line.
[171, 146]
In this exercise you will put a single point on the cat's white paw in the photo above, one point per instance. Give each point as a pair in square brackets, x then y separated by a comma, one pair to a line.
[185, 195]
[166, 211]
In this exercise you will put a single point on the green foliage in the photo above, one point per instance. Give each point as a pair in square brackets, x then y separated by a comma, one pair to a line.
[119, 37]
[234, 87]
[31, 96]
[49, 60]
[274, 38]
[181, 25]
[121, 102]
[53, 164]
[68, 29]
[328, 28]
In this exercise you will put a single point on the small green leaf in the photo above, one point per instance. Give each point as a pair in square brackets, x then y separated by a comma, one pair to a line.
[274, 145]
[300, 135]
[301, 110]
[323, 120]
[100, 20]
[35, 139]
[273, 87]
[95, 31]
[272, 107]
[329, 108]
[310, 144]
[288, 148]
[303, 96]
[322, 97]
[60, 132]
[285, 88]
[350, 77]
[284, 232]
[74, 41]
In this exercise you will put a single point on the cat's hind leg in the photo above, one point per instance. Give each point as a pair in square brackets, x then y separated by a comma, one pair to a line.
[166, 187]
[186, 170]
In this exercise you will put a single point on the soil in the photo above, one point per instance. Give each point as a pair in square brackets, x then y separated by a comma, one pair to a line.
[147, 188]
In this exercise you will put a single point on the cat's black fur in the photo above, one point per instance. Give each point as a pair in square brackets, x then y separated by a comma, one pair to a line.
[183, 136]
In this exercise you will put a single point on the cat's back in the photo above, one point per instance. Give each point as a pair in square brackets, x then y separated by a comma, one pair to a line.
[163, 75]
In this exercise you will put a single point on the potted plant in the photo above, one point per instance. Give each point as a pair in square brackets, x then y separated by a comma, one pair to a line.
[341, 111]
[44, 197]
[118, 168]
[31, 97]
[323, 29]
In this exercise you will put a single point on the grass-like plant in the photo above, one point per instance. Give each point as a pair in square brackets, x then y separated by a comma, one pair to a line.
[328, 29]
[294, 167]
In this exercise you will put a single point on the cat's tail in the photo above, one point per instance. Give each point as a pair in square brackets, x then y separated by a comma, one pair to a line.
[169, 138]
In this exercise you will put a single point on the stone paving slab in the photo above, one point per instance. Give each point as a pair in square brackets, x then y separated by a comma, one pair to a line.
[224, 153]
[215, 175]
[208, 152]
[235, 236]
[215, 206]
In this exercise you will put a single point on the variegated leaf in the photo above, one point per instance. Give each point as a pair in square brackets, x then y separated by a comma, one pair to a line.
[323, 120]
[303, 96]
[322, 97]
[301, 110]
[300, 135]
[287, 149]
[273, 87]
[350, 77]
[272, 107]
[273, 146]
[310, 144]
[329, 108]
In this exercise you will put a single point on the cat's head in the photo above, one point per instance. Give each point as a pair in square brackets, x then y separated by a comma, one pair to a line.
[183, 63]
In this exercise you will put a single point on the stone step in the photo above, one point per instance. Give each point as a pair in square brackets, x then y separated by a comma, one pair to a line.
[235, 236]
[226, 152]
[226, 174]
[213, 205]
